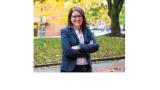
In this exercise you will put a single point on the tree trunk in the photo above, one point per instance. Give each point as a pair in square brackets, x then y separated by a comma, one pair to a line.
[115, 27]
[114, 7]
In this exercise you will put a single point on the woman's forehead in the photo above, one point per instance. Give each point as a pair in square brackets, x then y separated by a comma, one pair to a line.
[76, 13]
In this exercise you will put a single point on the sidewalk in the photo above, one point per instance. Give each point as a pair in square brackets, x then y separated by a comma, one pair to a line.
[101, 66]
[113, 68]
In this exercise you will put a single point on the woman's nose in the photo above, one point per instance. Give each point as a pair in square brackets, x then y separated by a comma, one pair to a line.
[77, 18]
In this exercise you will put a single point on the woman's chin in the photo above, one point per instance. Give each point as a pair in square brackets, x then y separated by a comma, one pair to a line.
[78, 24]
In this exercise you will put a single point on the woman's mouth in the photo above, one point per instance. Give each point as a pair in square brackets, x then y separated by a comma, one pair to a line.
[78, 22]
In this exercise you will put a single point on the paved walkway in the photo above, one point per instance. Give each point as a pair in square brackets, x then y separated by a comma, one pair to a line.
[101, 66]
[113, 68]
[110, 66]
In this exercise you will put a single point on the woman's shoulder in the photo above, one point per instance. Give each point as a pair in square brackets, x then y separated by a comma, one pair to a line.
[88, 29]
[64, 29]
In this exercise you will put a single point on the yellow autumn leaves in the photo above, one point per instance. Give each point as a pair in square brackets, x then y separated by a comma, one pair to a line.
[56, 11]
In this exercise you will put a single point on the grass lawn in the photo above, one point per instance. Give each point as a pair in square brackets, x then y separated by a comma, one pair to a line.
[49, 50]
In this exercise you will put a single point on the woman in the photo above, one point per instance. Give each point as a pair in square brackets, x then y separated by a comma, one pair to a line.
[77, 43]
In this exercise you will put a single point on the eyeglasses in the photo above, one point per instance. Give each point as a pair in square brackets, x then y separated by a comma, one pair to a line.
[79, 16]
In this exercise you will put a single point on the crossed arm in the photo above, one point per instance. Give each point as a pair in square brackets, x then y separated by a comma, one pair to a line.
[79, 50]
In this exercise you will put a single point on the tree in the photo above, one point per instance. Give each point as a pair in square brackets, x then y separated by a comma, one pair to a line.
[115, 7]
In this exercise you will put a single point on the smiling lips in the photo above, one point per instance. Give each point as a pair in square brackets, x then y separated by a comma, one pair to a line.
[78, 22]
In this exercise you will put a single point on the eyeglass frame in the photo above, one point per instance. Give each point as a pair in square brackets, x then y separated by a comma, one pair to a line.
[75, 16]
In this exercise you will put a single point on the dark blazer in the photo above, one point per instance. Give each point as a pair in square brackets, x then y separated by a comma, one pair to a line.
[69, 55]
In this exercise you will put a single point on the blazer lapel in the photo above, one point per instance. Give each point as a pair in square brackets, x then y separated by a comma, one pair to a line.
[86, 40]
[74, 37]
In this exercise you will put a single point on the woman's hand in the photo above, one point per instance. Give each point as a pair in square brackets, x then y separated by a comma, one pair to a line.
[75, 47]
[78, 48]
[91, 42]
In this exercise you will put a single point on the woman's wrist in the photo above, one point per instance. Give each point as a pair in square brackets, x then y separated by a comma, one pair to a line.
[76, 47]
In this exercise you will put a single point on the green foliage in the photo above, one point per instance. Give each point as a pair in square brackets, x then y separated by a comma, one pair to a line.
[122, 16]
[97, 11]
[49, 49]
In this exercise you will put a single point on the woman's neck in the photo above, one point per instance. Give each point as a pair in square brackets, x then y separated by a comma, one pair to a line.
[78, 28]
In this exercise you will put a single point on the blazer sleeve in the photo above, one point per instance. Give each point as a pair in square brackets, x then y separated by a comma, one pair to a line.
[66, 46]
[89, 48]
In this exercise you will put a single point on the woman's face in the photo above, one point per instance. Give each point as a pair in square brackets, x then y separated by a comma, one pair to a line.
[76, 19]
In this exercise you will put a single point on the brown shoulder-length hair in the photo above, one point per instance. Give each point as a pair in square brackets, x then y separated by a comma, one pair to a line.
[78, 9]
